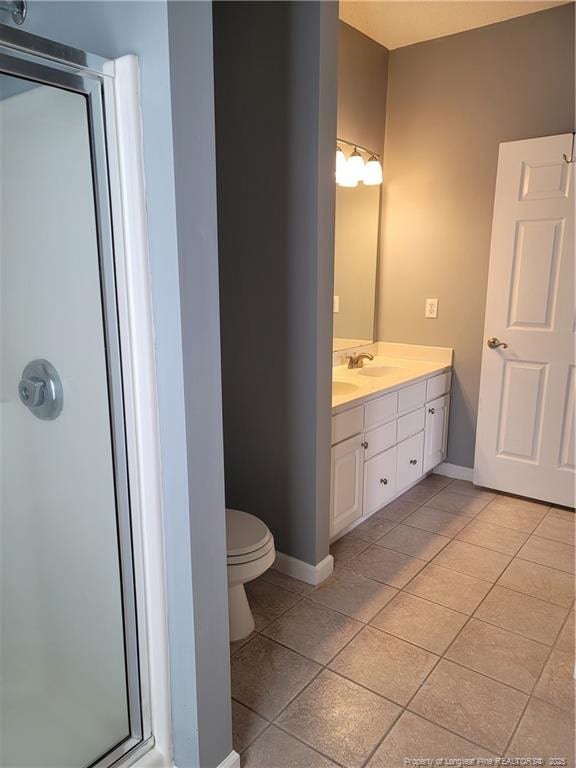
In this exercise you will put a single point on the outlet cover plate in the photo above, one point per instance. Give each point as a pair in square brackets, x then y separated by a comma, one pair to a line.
[431, 309]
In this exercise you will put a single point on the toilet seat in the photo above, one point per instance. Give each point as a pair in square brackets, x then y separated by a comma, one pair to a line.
[249, 557]
[250, 552]
[246, 535]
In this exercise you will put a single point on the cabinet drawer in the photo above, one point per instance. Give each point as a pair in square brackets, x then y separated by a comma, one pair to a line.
[411, 423]
[381, 410]
[347, 424]
[409, 461]
[411, 397]
[438, 385]
[379, 481]
[380, 439]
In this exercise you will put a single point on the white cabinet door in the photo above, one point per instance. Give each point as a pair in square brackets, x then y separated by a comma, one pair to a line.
[525, 439]
[409, 461]
[347, 482]
[379, 480]
[436, 433]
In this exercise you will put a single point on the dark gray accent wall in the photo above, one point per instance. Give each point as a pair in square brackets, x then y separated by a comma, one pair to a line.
[275, 72]
[362, 87]
[451, 102]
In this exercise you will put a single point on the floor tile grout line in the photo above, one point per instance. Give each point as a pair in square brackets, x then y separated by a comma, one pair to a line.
[443, 657]
[366, 623]
[337, 653]
[485, 581]
[403, 707]
[538, 678]
[431, 561]
[461, 663]
[405, 710]
[407, 705]
[527, 594]
[306, 744]
[306, 595]
[534, 562]
[271, 724]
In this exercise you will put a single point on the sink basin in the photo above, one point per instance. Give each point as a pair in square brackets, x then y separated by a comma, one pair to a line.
[379, 370]
[344, 388]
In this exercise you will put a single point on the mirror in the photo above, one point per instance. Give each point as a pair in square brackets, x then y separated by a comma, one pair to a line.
[355, 263]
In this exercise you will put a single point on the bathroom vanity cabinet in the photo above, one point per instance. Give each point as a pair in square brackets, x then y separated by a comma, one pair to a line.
[384, 445]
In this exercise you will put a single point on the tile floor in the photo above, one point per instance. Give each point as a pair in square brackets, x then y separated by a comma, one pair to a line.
[446, 631]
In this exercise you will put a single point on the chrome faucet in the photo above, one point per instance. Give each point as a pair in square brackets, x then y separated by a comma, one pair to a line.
[357, 361]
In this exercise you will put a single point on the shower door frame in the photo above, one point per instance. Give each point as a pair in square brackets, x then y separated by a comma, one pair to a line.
[28, 56]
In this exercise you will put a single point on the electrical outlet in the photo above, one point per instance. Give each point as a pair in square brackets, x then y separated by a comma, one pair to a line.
[431, 308]
[336, 304]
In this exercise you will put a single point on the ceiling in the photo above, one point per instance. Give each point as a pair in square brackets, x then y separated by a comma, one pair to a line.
[396, 23]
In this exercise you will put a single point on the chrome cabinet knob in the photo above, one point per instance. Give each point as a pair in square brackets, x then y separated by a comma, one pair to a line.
[494, 343]
[384, 481]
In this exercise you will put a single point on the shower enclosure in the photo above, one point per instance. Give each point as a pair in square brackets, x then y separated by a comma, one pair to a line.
[73, 684]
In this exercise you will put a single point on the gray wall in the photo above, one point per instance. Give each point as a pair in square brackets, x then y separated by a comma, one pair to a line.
[114, 29]
[275, 67]
[192, 75]
[362, 78]
[451, 102]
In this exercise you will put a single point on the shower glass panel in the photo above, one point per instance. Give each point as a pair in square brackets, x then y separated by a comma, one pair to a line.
[66, 681]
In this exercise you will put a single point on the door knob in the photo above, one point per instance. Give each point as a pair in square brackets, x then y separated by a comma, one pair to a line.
[384, 481]
[432, 411]
[364, 444]
[413, 461]
[494, 343]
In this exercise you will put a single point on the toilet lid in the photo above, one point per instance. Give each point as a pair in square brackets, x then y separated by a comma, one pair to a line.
[244, 532]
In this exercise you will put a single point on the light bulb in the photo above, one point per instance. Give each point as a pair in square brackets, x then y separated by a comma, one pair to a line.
[372, 172]
[348, 178]
[340, 164]
[355, 166]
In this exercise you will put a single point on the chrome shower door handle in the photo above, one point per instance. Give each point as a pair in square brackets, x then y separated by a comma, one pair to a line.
[40, 390]
[494, 343]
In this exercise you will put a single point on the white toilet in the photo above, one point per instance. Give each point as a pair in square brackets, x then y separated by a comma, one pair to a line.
[250, 549]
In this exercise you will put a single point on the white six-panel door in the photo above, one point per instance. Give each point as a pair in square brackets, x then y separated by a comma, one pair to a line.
[526, 425]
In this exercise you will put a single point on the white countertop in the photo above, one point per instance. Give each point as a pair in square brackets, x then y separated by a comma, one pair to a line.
[353, 386]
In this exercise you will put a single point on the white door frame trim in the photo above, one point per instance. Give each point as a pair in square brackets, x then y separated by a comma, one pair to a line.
[127, 185]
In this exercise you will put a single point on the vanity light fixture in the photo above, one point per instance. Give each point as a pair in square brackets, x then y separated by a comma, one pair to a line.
[353, 170]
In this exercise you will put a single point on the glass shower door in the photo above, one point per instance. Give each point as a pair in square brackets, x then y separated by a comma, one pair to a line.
[68, 669]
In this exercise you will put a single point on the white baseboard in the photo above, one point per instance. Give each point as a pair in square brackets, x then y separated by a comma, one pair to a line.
[232, 761]
[298, 569]
[455, 471]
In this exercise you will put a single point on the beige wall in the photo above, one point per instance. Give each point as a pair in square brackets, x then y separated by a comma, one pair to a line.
[451, 102]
